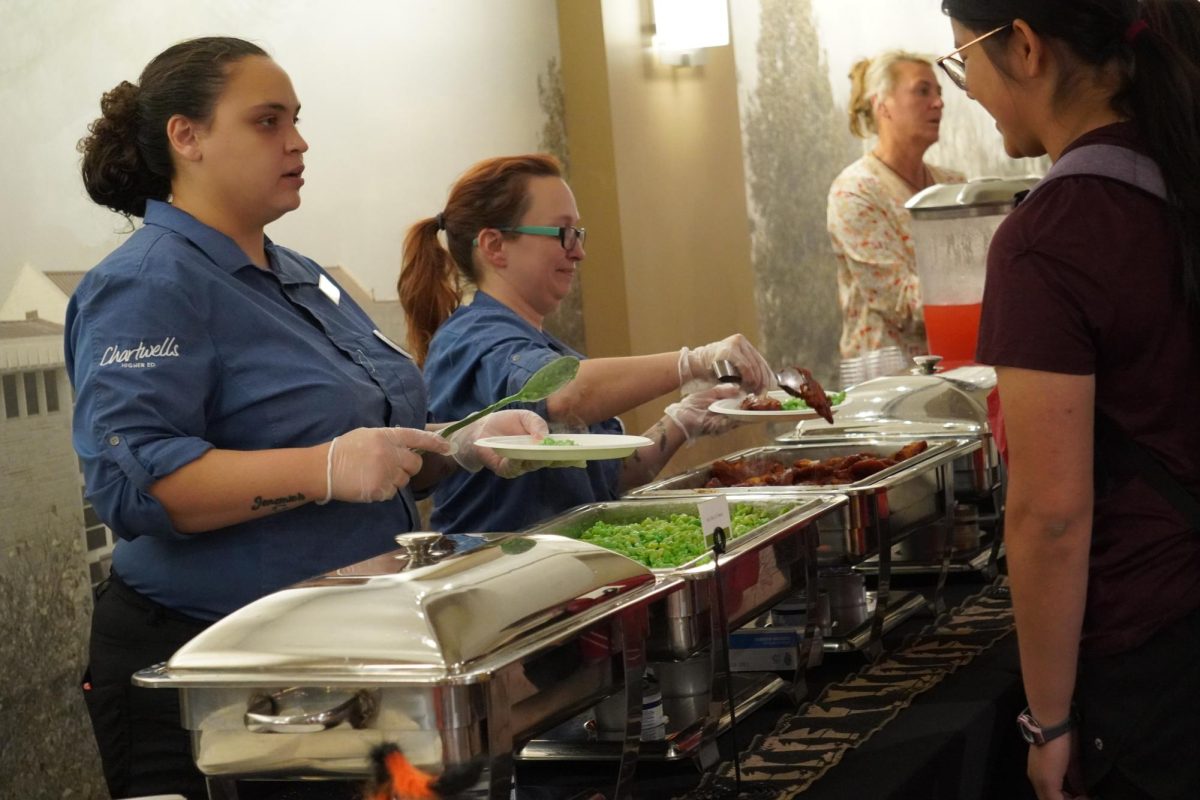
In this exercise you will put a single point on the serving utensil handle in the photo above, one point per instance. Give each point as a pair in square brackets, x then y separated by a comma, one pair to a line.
[262, 717]
[727, 372]
[480, 414]
[467, 420]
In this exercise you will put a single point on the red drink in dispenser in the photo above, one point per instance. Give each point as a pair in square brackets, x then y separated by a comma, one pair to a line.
[952, 331]
[952, 226]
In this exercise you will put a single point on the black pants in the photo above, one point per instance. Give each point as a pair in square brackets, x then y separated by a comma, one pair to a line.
[1140, 718]
[143, 745]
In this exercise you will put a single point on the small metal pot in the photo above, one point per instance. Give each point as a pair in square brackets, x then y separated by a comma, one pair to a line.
[847, 599]
[966, 528]
[687, 678]
[792, 612]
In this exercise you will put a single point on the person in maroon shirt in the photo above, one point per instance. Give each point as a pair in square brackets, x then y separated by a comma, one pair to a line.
[1090, 315]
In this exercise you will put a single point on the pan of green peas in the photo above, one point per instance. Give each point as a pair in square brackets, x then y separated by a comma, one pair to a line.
[666, 535]
[771, 551]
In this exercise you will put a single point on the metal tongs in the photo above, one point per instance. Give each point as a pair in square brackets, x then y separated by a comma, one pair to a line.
[796, 381]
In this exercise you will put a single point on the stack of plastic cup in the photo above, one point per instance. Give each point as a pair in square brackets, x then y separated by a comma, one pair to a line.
[851, 372]
[885, 361]
[872, 364]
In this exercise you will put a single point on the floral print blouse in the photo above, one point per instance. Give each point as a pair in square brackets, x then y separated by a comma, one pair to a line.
[877, 264]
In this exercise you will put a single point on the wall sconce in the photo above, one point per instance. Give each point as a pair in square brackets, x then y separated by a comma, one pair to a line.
[684, 28]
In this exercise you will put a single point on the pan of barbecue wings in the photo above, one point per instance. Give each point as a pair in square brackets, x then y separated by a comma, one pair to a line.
[895, 486]
[906, 407]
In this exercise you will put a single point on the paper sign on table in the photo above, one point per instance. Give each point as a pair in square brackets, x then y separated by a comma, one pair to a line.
[714, 514]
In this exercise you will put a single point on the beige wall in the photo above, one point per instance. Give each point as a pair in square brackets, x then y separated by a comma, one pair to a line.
[593, 175]
[657, 170]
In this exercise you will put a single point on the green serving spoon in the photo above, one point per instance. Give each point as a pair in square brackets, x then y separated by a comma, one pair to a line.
[541, 384]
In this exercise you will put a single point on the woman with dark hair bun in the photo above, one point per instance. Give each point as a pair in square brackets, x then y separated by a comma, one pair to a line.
[1090, 315]
[242, 423]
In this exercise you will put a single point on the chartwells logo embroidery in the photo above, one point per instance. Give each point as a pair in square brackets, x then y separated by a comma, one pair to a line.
[141, 357]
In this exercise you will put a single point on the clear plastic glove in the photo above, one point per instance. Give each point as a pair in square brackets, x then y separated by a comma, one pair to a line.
[369, 465]
[696, 366]
[501, 423]
[692, 416]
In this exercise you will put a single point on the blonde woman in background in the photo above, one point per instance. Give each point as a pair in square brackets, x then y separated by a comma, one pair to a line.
[897, 98]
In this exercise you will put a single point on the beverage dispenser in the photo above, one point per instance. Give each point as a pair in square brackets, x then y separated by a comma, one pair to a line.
[952, 225]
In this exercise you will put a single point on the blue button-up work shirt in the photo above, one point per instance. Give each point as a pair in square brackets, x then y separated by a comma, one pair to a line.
[177, 344]
[485, 352]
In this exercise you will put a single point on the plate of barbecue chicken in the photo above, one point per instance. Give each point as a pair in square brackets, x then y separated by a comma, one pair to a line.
[774, 406]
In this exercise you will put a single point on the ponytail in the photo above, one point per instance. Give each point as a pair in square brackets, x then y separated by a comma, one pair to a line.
[1162, 94]
[862, 114]
[871, 80]
[492, 194]
[428, 286]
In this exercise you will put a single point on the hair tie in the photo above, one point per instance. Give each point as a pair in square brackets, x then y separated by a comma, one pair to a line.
[1134, 30]
[440, 219]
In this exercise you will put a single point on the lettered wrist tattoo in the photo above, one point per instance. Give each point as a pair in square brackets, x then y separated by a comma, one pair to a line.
[277, 503]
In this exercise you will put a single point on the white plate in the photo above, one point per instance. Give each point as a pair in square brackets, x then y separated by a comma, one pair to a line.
[587, 447]
[732, 407]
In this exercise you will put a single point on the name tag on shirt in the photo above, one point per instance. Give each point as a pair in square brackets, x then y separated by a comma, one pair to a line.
[393, 345]
[330, 290]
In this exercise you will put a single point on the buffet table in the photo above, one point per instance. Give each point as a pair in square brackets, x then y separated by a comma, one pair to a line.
[522, 688]
[955, 741]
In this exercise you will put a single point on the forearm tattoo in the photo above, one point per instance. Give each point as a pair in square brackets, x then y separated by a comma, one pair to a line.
[277, 503]
[657, 433]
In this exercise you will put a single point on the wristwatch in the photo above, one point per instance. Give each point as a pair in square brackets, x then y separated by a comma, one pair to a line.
[1037, 734]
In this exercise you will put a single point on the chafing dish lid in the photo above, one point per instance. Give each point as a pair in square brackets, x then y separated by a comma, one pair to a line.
[438, 617]
[978, 197]
[917, 405]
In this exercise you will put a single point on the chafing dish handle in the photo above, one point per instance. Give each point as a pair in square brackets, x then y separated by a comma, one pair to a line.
[261, 717]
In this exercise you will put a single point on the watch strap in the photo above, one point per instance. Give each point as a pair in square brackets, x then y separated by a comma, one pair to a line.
[1037, 734]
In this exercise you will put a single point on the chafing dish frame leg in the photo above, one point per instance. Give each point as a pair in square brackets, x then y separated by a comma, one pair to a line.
[873, 649]
[633, 630]
[221, 788]
[499, 736]
[992, 569]
[707, 755]
[810, 646]
[945, 476]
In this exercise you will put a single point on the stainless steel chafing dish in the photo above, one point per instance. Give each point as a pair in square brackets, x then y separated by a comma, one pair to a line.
[888, 504]
[760, 567]
[452, 657]
[948, 405]
[882, 510]
[920, 407]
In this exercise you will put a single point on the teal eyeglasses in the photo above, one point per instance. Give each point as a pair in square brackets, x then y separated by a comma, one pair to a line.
[567, 235]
